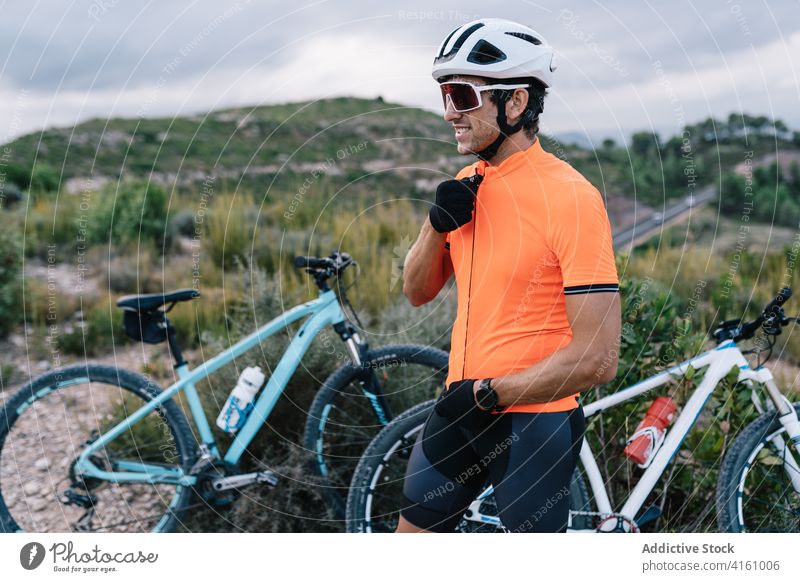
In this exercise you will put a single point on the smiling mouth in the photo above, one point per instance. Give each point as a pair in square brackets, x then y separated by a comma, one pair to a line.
[461, 131]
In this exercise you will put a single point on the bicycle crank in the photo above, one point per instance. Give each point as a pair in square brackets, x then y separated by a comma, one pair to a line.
[219, 482]
[238, 481]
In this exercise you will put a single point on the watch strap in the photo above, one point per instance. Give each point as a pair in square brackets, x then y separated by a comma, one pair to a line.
[484, 388]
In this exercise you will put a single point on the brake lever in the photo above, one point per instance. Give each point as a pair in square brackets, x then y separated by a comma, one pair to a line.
[774, 323]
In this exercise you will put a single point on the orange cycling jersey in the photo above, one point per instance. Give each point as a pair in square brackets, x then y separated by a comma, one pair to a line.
[540, 231]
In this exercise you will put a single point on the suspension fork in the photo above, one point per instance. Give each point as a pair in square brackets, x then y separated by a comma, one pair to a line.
[356, 347]
[371, 385]
[787, 416]
[373, 390]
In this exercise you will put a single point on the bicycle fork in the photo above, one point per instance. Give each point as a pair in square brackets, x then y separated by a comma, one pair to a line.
[369, 382]
[787, 415]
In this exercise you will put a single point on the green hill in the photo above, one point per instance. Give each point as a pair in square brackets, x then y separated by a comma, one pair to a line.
[254, 145]
[375, 150]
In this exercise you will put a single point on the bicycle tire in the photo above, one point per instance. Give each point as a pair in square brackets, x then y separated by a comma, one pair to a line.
[401, 432]
[734, 498]
[137, 385]
[338, 393]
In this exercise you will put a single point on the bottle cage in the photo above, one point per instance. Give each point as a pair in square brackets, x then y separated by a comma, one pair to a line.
[655, 441]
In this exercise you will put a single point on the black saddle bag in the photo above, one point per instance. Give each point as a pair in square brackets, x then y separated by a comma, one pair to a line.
[150, 327]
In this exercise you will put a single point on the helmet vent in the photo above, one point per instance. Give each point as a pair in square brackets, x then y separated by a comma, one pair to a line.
[444, 44]
[459, 41]
[527, 37]
[485, 53]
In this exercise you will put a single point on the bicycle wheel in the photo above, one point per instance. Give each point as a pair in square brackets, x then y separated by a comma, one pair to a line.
[355, 403]
[376, 492]
[46, 425]
[754, 490]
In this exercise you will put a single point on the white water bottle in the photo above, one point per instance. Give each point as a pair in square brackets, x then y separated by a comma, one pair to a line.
[239, 404]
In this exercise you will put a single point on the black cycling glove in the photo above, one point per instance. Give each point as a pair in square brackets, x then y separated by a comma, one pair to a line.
[457, 404]
[455, 200]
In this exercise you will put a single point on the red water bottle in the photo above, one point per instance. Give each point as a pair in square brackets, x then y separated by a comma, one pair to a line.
[649, 435]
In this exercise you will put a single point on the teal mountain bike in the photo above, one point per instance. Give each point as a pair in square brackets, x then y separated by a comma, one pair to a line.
[97, 448]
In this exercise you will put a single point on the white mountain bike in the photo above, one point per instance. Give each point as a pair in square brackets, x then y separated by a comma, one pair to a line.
[759, 480]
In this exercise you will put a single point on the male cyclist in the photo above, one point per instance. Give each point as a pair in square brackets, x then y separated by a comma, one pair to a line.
[538, 320]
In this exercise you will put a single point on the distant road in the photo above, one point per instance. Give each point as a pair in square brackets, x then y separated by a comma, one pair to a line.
[638, 233]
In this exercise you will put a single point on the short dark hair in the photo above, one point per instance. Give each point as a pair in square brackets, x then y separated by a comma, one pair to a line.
[536, 93]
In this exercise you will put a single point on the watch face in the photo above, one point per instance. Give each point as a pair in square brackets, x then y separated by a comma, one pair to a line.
[487, 396]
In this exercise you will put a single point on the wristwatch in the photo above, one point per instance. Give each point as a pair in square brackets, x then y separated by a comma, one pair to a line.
[485, 396]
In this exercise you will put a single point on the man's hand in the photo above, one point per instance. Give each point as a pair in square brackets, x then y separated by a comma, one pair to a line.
[457, 404]
[455, 201]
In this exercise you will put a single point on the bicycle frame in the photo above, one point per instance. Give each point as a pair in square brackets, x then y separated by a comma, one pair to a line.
[719, 362]
[321, 312]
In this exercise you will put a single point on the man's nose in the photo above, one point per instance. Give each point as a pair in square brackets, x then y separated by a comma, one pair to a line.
[450, 113]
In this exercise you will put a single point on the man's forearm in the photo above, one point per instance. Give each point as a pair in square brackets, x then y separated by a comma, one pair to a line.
[571, 369]
[423, 272]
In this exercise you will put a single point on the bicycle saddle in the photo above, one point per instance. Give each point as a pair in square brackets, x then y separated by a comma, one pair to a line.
[152, 301]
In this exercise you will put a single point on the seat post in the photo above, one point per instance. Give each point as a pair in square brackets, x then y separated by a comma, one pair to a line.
[174, 347]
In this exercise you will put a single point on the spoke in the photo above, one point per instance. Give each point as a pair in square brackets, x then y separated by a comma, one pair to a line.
[773, 480]
[780, 460]
[351, 421]
[56, 428]
[155, 516]
[770, 504]
[764, 481]
[355, 432]
[360, 443]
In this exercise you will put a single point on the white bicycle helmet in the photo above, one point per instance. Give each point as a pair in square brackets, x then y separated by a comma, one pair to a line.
[498, 49]
[495, 48]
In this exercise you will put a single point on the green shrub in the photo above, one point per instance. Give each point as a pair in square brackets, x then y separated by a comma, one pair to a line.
[135, 272]
[228, 236]
[46, 304]
[8, 374]
[129, 212]
[206, 315]
[44, 179]
[96, 334]
[430, 324]
[183, 223]
[10, 278]
[768, 195]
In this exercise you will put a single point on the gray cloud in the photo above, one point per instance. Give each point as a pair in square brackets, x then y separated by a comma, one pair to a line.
[110, 57]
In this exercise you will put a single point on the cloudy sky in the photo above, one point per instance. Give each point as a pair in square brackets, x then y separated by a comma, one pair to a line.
[622, 66]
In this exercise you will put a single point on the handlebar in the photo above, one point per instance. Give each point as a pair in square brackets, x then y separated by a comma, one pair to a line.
[781, 298]
[313, 263]
[771, 320]
[323, 268]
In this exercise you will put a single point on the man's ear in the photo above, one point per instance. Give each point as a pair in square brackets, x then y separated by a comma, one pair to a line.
[515, 106]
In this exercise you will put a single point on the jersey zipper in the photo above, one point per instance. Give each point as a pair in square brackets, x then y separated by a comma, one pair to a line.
[469, 288]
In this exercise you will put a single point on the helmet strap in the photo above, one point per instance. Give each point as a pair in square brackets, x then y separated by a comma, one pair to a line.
[506, 130]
